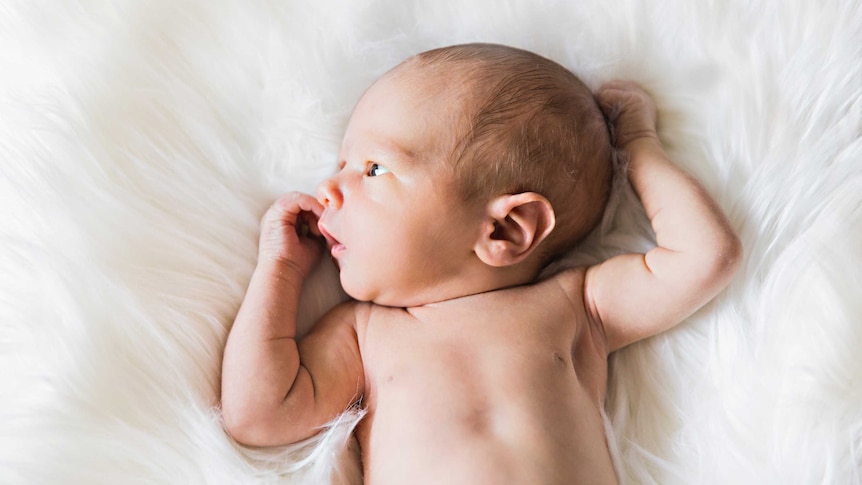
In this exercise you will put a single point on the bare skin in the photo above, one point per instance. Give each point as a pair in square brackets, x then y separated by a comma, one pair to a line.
[477, 390]
[476, 373]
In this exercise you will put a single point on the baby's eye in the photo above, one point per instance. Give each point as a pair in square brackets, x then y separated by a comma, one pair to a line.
[375, 169]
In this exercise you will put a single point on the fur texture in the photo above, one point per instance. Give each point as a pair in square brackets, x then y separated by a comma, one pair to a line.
[141, 141]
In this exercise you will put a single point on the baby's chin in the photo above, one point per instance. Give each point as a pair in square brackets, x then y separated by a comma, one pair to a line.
[378, 296]
[377, 299]
[358, 291]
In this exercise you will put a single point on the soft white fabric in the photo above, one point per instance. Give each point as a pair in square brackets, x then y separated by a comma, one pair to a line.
[141, 141]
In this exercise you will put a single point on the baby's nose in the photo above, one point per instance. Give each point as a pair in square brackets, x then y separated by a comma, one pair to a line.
[329, 194]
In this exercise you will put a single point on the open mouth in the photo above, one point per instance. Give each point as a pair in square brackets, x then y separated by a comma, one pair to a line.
[335, 247]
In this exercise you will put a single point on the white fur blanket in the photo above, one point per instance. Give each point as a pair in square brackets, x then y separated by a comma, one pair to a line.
[141, 141]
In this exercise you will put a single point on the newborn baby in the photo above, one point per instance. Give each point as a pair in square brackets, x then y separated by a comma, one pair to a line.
[462, 173]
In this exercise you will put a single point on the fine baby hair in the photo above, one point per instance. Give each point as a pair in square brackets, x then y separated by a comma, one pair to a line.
[527, 124]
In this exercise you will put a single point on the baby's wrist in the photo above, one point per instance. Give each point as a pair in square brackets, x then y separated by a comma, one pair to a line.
[644, 143]
[281, 269]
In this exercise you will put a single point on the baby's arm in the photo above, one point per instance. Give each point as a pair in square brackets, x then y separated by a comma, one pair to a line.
[275, 390]
[635, 296]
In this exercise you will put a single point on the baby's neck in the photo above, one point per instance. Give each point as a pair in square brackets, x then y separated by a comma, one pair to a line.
[493, 279]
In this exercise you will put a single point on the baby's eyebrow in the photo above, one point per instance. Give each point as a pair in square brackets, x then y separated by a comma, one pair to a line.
[388, 149]
[398, 149]
[404, 151]
[392, 155]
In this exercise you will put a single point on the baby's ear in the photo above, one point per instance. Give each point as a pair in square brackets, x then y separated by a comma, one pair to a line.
[514, 227]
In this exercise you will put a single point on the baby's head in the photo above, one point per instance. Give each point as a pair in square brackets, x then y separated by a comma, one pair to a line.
[494, 160]
[527, 125]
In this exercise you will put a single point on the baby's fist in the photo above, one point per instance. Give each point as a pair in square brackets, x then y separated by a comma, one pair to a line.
[287, 232]
[630, 110]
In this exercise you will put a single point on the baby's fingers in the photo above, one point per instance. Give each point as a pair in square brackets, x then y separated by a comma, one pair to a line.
[294, 206]
[620, 95]
[289, 233]
[620, 87]
[296, 202]
[630, 111]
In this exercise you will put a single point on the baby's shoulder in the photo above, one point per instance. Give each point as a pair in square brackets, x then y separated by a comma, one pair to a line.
[568, 282]
[349, 314]
[366, 313]
[560, 292]
[571, 283]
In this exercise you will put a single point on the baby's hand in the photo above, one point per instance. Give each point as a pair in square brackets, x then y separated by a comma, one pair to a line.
[287, 232]
[630, 110]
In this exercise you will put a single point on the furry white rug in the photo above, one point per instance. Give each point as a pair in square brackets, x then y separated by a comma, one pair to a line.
[141, 141]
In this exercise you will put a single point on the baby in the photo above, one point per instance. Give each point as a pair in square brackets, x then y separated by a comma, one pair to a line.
[462, 173]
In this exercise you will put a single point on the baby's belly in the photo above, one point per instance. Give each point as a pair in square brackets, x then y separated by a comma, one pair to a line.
[476, 424]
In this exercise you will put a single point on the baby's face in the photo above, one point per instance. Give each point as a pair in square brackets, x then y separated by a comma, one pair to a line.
[399, 234]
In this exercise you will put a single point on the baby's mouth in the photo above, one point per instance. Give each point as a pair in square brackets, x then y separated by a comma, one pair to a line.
[335, 247]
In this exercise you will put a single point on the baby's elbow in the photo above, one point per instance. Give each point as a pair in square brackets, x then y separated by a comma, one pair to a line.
[261, 426]
[245, 427]
[237, 425]
[732, 252]
[725, 258]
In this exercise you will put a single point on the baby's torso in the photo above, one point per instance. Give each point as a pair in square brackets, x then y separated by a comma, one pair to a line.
[502, 387]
